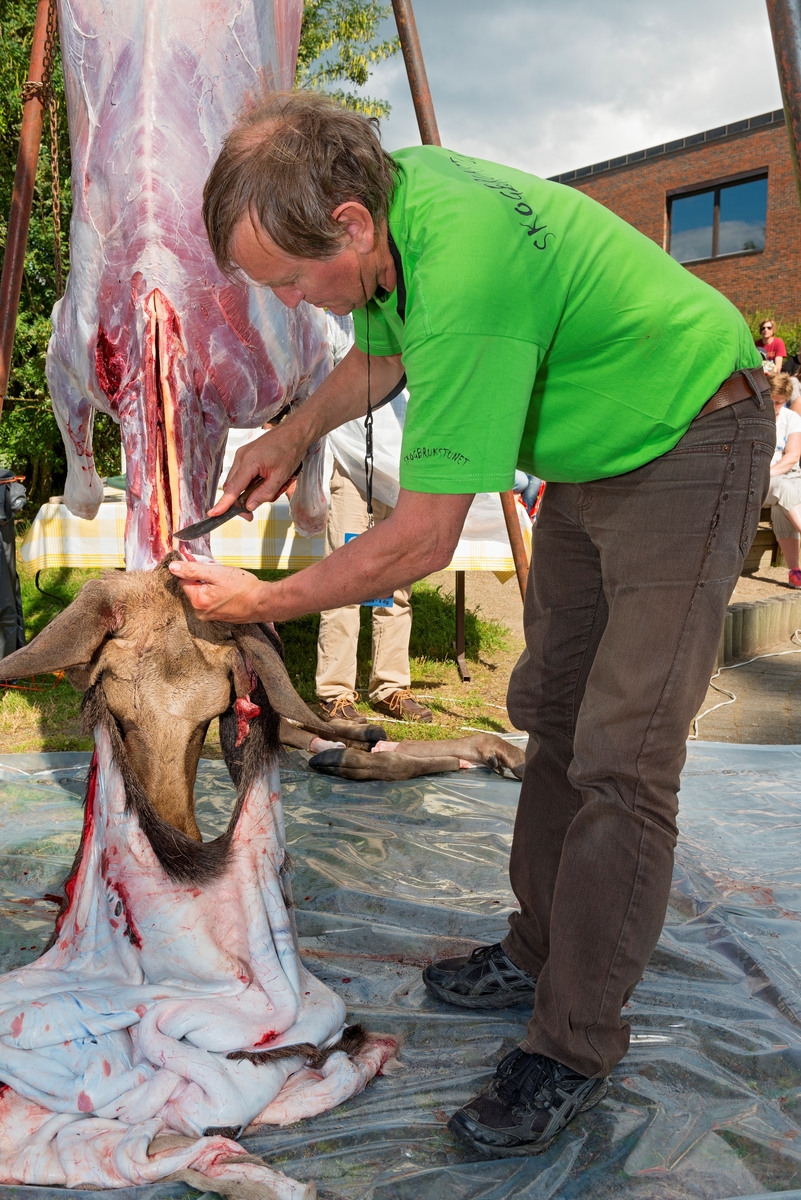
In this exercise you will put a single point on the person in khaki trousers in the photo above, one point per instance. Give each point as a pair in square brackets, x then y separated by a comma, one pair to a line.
[339, 628]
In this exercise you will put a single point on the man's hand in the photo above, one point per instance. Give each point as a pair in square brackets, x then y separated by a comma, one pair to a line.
[275, 456]
[220, 593]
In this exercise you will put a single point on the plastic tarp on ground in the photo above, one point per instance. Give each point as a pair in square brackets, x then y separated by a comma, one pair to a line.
[706, 1105]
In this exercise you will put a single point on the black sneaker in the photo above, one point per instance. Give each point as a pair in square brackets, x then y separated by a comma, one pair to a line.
[526, 1106]
[487, 978]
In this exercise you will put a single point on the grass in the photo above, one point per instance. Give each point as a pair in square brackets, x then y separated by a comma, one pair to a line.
[44, 714]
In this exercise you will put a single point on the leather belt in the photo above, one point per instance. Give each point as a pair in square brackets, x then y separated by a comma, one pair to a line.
[749, 384]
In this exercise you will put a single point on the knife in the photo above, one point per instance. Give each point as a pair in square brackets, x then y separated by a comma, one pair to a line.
[201, 528]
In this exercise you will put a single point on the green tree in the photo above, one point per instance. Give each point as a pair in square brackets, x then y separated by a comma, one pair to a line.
[339, 44]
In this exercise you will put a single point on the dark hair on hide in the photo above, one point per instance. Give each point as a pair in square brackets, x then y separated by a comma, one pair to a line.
[352, 1040]
[184, 859]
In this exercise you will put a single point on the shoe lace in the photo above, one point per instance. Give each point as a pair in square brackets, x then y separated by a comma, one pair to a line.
[522, 1075]
[397, 698]
[340, 704]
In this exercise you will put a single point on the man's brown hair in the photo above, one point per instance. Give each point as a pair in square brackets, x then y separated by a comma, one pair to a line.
[289, 163]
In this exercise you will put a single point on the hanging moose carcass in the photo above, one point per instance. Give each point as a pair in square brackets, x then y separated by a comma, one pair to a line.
[148, 329]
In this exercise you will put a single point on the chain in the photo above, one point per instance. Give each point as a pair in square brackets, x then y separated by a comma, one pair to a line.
[46, 96]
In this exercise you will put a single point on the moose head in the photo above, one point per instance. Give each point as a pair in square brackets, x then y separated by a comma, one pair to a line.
[132, 642]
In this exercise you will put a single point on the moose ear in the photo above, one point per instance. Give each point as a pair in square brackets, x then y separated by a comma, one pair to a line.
[269, 666]
[73, 637]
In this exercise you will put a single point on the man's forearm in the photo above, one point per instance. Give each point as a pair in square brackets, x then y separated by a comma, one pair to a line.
[362, 570]
[404, 548]
[418, 538]
[343, 395]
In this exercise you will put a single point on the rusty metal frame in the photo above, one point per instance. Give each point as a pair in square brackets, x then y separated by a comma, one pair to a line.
[785, 26]
[19, 218]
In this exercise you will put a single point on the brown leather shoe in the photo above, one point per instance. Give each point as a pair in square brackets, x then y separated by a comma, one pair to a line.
[341, 709]
[403, 706]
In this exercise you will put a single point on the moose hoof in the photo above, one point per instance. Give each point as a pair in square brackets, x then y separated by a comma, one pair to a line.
[328, 762]
[374, 734]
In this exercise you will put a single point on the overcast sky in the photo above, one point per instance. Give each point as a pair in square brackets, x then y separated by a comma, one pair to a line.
[552, 86]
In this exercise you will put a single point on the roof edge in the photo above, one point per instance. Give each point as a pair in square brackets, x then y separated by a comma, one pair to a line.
[763, 121]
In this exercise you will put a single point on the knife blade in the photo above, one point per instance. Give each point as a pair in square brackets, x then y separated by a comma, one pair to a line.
[191, 532]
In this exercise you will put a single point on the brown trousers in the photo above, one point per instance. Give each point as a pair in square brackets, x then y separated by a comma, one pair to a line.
[630, 579]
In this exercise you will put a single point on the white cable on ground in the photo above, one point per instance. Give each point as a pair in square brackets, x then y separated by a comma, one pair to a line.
[732, 695]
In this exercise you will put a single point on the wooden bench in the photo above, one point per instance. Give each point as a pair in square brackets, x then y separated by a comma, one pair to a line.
[764, 545]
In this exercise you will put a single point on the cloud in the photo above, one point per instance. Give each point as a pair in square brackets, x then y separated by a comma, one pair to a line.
[552, 87]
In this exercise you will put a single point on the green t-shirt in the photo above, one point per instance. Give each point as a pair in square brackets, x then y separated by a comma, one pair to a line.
[540, 330]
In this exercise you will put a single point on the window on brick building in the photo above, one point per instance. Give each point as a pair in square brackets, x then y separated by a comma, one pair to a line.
[726, 219]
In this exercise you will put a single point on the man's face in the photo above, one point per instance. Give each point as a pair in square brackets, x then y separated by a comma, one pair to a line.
[334, 283]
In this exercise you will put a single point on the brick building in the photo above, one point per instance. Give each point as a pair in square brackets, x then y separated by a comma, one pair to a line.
[723, 202]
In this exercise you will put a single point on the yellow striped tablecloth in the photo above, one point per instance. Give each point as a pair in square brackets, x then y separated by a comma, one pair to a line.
[58, 539]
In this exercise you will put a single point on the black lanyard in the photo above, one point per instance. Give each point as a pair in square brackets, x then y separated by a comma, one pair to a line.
[368, 437]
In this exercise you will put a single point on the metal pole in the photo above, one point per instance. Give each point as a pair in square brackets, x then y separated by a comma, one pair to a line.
[416, 71]
[429, 135]
[19, 218]
[785, 25]
[459, 644]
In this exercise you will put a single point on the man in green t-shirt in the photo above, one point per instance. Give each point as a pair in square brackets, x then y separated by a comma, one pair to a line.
[536, 329]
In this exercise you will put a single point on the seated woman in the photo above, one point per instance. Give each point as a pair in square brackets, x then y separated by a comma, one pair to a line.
[784, 495]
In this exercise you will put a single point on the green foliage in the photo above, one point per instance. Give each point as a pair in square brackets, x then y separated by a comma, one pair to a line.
[339, 42]
[788, 331]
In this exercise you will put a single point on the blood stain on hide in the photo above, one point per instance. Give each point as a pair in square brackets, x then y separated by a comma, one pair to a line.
[124, 907]
[106, 1068]
[268, 1037]
[86, 837]
[140, 1010]
[84, 1103]
[16, 1024]
[109, 364]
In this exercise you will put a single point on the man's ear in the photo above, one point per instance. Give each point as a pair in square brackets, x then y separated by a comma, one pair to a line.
[357, 225]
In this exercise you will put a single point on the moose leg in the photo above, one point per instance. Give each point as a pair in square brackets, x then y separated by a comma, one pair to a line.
[486, 749]
[388, 766]
[302, 739]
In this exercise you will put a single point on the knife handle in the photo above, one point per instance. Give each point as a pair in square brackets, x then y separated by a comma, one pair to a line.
[243, 497]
